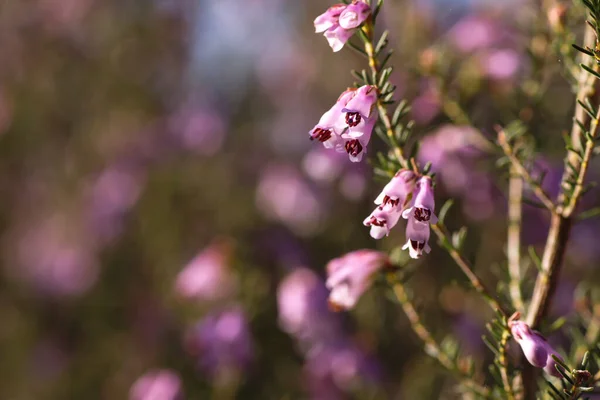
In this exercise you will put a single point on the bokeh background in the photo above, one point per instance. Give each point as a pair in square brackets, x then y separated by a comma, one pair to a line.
[165, 221]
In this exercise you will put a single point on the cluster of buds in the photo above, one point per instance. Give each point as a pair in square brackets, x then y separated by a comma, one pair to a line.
[340, 21]
[535, 347]
[419, 213]
[348, 125]
[349, 276]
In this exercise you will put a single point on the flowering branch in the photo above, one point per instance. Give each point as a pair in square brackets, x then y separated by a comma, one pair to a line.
[371, 51]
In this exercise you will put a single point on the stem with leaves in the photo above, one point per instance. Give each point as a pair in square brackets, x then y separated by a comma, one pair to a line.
[431, 346]
[581, 148]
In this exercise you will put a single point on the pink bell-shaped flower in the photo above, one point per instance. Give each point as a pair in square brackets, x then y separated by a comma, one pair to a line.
[332, 124]
[354, 15]
[341, 21]
[419, 215]
[381, 221]
[399, 187]
[534, 346]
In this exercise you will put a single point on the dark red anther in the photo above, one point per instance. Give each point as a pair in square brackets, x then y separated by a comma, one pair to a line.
[353, 119]
[422, 214]
[353, 147]
[322, 135]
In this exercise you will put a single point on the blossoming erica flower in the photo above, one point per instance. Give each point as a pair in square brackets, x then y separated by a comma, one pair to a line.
[420, 215]
[332, 124]
[347, 126]
[349, 276]
[340, 21]
[535, 347]
[390, 203]
[360, 120]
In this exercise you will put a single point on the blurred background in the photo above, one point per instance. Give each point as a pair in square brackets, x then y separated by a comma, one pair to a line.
[165, 221]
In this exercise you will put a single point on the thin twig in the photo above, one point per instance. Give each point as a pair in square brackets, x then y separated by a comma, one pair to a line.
[583, 167]
[515, 198]
[503, 363]
[523, 172]
[465, 267]
[431, 346]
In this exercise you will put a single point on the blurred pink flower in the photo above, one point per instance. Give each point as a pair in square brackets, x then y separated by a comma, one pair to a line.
[427, 104]
[222, 343]
[353, 185]
[338, 368]
[349, 276]
[157, 385]
[453, 152]
[64, 261]
[284, 195]
[302, 305]
[322, 165]
[207, 276]
[501, 64]
[199, 129]
[474, 33]
[112, 194]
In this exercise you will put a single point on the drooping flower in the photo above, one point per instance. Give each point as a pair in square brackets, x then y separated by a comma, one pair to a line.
[222, 343]
[340, 22]
[381, 221]
[420, 215]
[157, 384]
[398, 188]
[360, 121]
[207, 277]
[302, 306]
[359, 112]
[535, 347]
[333, 123]
[349, 276]
[390, 203]
[417, 238]
[330, 18]
[354, 15]
[348, 125]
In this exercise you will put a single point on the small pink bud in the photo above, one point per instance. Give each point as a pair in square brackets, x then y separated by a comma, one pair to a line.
[534, 346]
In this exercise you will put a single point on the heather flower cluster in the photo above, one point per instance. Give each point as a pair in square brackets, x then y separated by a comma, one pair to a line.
[348, 125]
[340, 21]
[392, 203]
